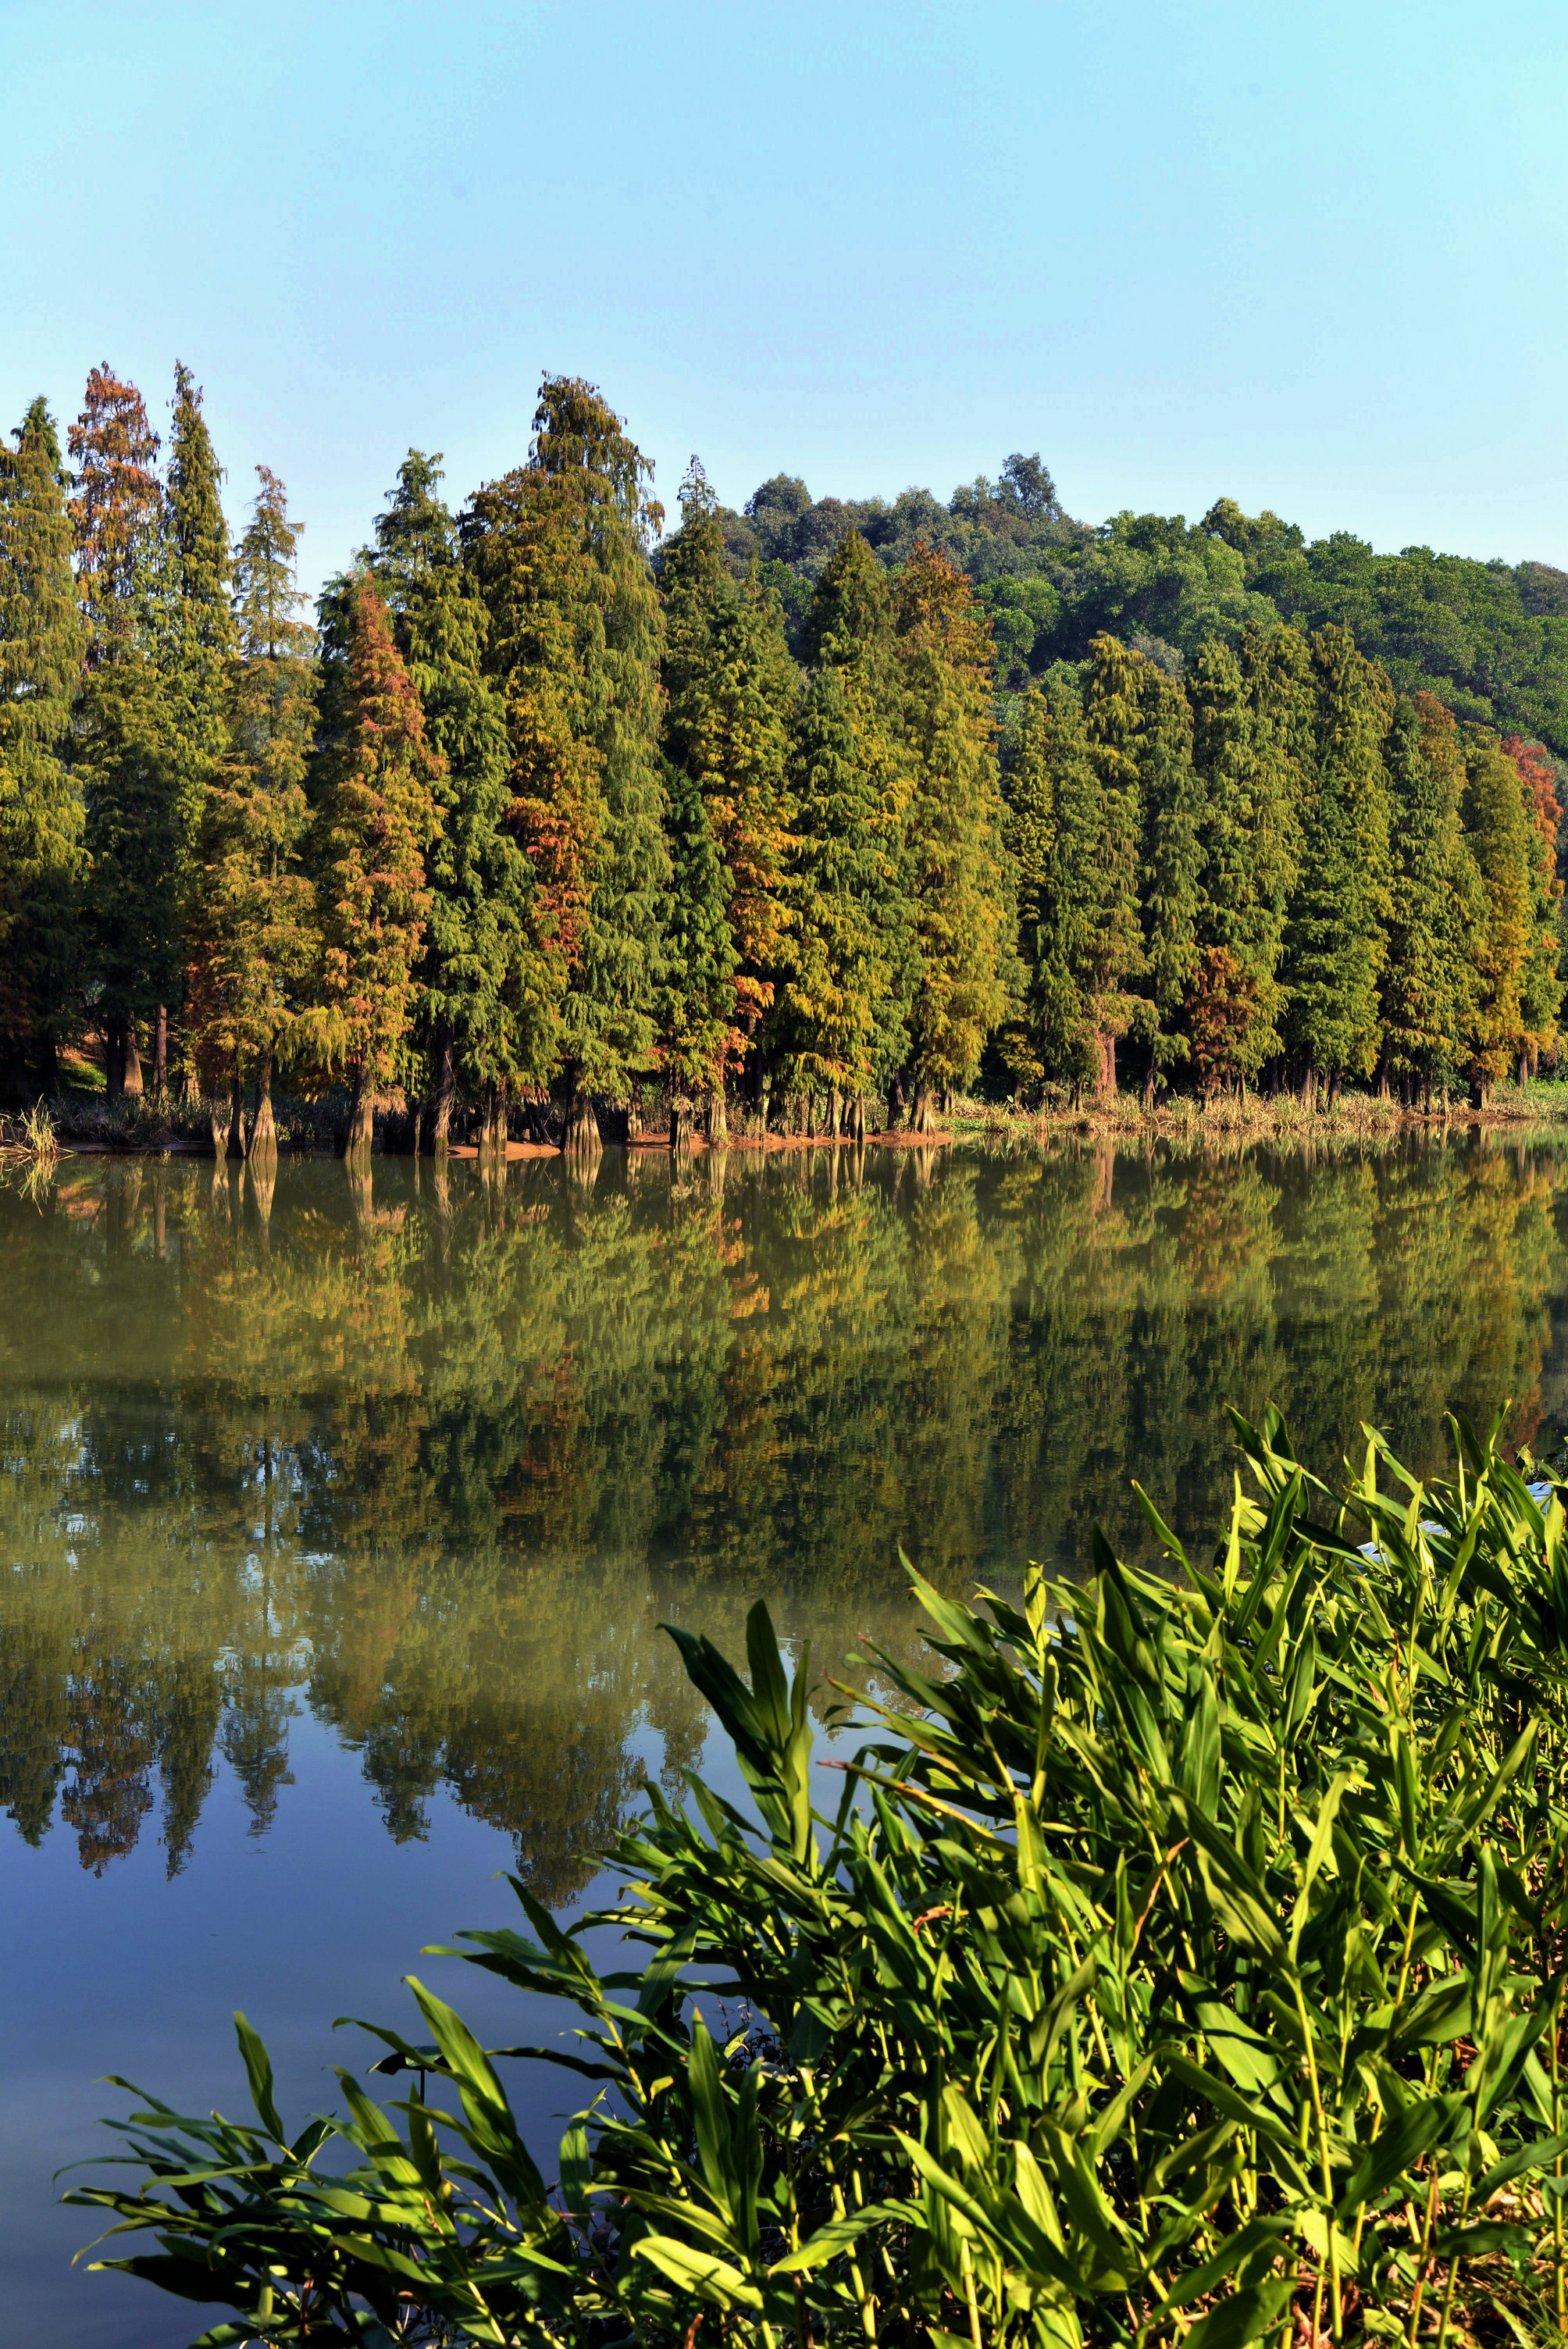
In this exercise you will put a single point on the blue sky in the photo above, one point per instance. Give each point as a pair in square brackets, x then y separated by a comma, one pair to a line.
[1309, 257]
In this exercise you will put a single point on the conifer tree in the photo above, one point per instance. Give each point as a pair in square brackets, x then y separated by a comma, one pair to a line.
[839, 954]
[1172, 865]
[962, 891]
[1436, 915]
[1239, 751]
[1498, 834]
[697, 1037]
[1336, 938]
[251, 942]
[1114, 708]
[375, 822]
[853, 773]
[1053, 834]
[730, 686]
[558, 550]
[127, 761]
[482, 1030]
[199, 641]
[41, 648]
[1542, 990]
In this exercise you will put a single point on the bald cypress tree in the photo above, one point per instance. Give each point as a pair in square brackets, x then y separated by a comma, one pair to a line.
[252, 944]
[961, 888]
[127, 760]
[376, 824]
[479, 1023]
[1336, 938]
[558, 550]
[195, 639]
[855, 960]
[1498, 835]
[1171, 869]
[695, 1002]
[1437, 917]
[1114, 700]
[1053, 834]
[730, 687]
[41, 650]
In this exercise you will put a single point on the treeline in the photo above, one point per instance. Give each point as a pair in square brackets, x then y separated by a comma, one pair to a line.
[544, 805]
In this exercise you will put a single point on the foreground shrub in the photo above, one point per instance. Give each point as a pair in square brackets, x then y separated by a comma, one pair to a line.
[1185, 1958]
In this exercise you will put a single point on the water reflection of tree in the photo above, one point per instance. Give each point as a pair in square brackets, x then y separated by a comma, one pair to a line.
[435, 1454]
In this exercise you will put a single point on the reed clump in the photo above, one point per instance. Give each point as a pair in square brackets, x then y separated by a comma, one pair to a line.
[1184, 1960]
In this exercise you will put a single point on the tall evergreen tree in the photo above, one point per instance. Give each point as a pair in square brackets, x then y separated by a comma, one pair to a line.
[251, 937]
[962, 894]
[1246, 806]
[1336, 939]
[1171, 870]
[698, 1040]
[198, 641]
[128, 762]
[41, 647]
[1542, 990]
[1114, 712]
[558, 549]
[376, 821]
[1053, 834]
[730, 686]
[483, 1030]
[862, 778]
[838, 963]
[1498, 834]
[1437, 916]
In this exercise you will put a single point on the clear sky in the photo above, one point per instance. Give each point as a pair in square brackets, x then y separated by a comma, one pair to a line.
[1311, 257]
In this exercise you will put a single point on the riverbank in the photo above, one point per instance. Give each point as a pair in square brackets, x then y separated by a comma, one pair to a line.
[86, 1125]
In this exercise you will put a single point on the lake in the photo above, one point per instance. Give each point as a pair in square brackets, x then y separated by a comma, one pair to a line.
[340, 1515]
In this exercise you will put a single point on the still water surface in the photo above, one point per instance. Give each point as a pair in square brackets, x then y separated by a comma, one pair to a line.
[338, 1518]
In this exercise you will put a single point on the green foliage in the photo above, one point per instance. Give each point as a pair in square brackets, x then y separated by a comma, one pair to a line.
[474, 999]
[1185, 1951]
[698, 1039]
[41, 650]
[558, 549]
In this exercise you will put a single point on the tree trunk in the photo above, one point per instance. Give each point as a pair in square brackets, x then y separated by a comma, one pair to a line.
[49, 1070]
[360, 1132]
[263, 1133]
[236, 1146]
[581, 1137]
[835, 1115]
[1106, 1075]
[923, 1117]
[437, 1126]
[718, 1117]
[857, 1127]
[492, 1121]
[192, 1085]
[132, 1079]
[1148, 1080]
[680, 1125]
[538, 1123]
[1478, 1092]
[897, 1100]
[113, 1061]
[1524, 1070]
[160, 1053]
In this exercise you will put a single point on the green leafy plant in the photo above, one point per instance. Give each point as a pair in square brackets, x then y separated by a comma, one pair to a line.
[1185, 1958]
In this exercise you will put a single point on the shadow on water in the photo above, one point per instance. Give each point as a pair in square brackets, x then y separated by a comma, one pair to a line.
[430, 1451]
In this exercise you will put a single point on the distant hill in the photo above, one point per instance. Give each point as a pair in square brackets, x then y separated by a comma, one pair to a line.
[1489, 639]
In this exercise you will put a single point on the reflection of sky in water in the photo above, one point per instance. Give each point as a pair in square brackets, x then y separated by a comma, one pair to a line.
[336, 1528]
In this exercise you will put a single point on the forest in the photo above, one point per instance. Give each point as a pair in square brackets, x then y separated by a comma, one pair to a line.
[822, 807]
